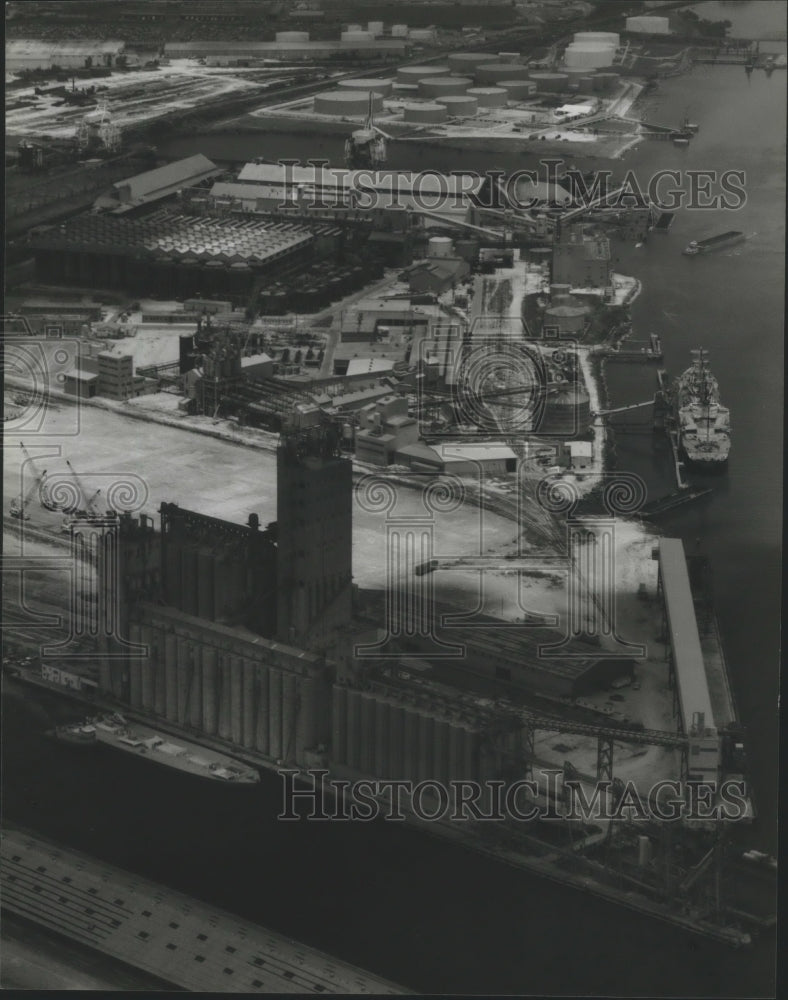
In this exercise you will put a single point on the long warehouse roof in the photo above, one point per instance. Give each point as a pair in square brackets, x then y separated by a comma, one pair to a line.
[690, 669]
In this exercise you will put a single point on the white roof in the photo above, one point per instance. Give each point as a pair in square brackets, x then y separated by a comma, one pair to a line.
[581, 449]
[483, 452]
[360, 366]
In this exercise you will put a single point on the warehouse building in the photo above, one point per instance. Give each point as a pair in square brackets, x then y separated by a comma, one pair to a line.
[581, 260]
[153, 185]
[30, 54]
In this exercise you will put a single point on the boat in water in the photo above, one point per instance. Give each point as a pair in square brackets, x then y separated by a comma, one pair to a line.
[704, 426]
[720, 242]
[143, 741]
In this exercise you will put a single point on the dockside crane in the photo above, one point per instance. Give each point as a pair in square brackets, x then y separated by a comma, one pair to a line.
[89, 508]
[19, 506]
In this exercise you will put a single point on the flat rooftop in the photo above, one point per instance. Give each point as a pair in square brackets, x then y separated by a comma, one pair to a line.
[688, 660]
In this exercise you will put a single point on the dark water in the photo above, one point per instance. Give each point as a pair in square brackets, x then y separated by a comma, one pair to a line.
[436, 917]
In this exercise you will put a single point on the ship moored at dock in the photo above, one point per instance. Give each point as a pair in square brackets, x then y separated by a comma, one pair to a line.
[142, 741]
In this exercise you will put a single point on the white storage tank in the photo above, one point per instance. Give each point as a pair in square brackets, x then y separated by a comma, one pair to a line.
[463, 62]
[346, 102]
[518, 90]
[429, 114]
[440, 246]
[509, 57]
[382, 87]
[493, 72]
[375, 28]
[459, 105]
[355, 27]
[488, 97]
[412, 74]
[399, 31]
[292, 36]
[439, 86]
[588, 55]
[550, 83]
[647, 24]
[611, 37]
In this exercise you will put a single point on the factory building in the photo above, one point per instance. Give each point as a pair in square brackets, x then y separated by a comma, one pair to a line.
[436, 275]
[168, 254]
[153, 185]
[384, 428]
[580, 260]
[30, 54]
[493, 458]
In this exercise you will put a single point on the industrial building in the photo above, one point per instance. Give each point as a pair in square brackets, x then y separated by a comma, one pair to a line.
[493, 458]
[436, 275]
[153, 185]
[384, 428]
[32, 54]
[581, 260]
[164, 253]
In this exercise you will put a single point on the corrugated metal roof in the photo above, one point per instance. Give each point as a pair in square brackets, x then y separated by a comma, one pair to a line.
[489, 451]
[687, 654]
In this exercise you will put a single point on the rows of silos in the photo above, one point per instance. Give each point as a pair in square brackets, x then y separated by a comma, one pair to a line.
[194, 682]
[381, 735]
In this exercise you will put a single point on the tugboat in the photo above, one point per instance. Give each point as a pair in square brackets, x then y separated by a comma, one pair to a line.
[703, 423]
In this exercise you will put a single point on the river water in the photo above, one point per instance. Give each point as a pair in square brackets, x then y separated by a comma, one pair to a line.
[436, 917]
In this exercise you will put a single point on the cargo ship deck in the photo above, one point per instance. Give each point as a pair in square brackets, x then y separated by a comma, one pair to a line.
[178, 939]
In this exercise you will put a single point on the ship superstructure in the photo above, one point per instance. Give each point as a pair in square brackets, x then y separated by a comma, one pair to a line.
[703, 423]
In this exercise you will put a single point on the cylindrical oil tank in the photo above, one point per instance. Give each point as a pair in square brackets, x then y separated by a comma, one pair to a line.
[292, 36]
[382, 87]
[586, 83]
[346, 102]
[459, 105]
[606, 81]
[493, 72]
[355, 27]
[375, 28]
[488, 97]
[509, 56]
[550, 83]
[588, 55]
[432, 114]
[355, 36]
[647, 24]
[439, 246]
[518, 90]
[412, 74]
[439, 86]
[566, 318]
[464, 62]
[597, 36]
[399, 31]
[567, 410]
[467, 249]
